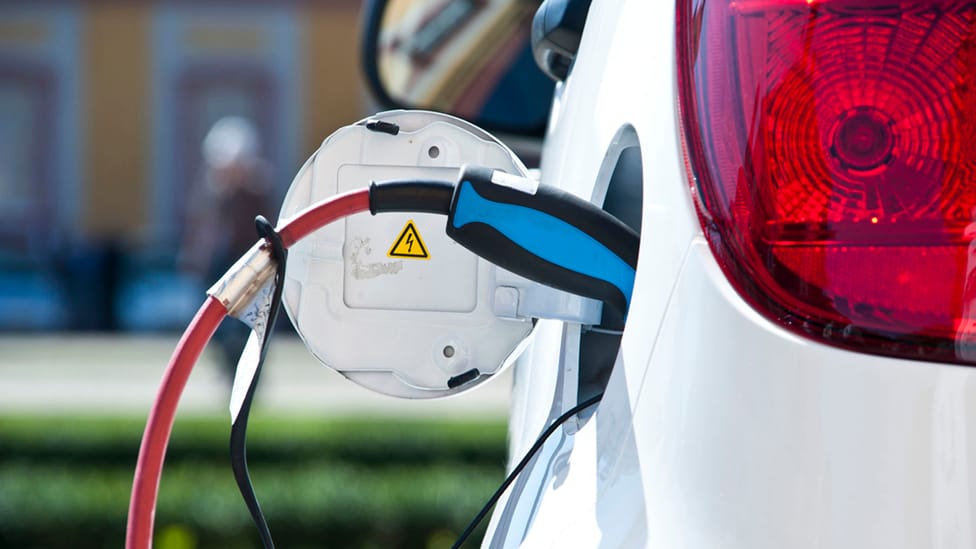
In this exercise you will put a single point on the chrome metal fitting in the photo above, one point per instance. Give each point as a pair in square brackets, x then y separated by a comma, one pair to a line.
[245, 280]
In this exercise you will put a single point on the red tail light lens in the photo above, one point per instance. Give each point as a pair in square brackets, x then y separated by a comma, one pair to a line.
[832, 147]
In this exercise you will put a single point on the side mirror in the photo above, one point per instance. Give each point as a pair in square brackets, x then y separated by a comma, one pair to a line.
[469, 58]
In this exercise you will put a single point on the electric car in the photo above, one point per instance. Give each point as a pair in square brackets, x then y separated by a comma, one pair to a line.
[795, 369]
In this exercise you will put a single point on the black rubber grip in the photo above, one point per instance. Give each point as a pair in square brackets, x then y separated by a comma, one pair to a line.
[410, 196]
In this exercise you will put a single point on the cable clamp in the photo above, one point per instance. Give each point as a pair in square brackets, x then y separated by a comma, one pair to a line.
[246, 280]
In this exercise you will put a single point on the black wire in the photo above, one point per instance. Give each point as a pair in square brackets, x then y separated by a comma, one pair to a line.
[238, 430]
[521, 465]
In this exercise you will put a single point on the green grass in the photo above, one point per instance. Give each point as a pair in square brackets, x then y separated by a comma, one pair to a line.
[94, 439]
[64, 482]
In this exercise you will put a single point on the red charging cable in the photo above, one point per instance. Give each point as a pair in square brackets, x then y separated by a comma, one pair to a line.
[149, 467]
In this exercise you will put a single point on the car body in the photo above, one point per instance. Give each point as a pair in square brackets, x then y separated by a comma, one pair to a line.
[720, 425]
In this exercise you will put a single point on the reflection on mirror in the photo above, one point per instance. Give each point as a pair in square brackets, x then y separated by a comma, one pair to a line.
[470, 58]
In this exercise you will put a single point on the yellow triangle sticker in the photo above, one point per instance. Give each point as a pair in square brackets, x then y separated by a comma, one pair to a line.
[409, 244]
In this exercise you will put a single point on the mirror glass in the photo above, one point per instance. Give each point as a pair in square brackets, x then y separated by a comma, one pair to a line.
[469, 58]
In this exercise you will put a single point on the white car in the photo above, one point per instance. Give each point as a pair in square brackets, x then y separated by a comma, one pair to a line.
[796, 366]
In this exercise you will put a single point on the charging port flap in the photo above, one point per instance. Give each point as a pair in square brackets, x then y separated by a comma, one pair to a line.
[390, 301]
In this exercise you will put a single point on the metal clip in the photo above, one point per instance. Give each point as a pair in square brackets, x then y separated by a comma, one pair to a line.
[245, 280]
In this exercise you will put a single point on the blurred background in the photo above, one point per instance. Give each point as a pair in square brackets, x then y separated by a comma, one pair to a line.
[105, 106]
[119, 121]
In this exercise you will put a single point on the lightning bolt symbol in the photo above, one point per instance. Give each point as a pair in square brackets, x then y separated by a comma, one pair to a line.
[409, 243]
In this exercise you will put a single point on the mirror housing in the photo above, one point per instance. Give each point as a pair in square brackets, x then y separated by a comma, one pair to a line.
[556, 32]
[469, 58]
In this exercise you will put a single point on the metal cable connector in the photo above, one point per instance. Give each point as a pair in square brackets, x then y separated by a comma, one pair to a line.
[251, 273]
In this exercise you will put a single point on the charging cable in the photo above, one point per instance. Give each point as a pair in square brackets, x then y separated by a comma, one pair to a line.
[539, 232]
[238, 288]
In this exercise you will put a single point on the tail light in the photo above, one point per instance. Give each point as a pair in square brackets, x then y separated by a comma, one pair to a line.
[832, 150]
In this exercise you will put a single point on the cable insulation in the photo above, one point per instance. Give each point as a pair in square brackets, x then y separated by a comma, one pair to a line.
[319, 215]
[145, 486]
[411, 196]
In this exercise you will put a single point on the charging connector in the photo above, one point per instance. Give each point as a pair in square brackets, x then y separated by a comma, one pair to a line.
[544, 234]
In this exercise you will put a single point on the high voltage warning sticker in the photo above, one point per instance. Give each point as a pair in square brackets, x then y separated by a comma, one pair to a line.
[409, 244]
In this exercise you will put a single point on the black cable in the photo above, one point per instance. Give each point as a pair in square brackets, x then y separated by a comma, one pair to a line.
[410, 196]
[521, 465]
[238, 430]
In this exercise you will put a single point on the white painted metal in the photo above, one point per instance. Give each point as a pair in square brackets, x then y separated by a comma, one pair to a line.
[718, 429]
